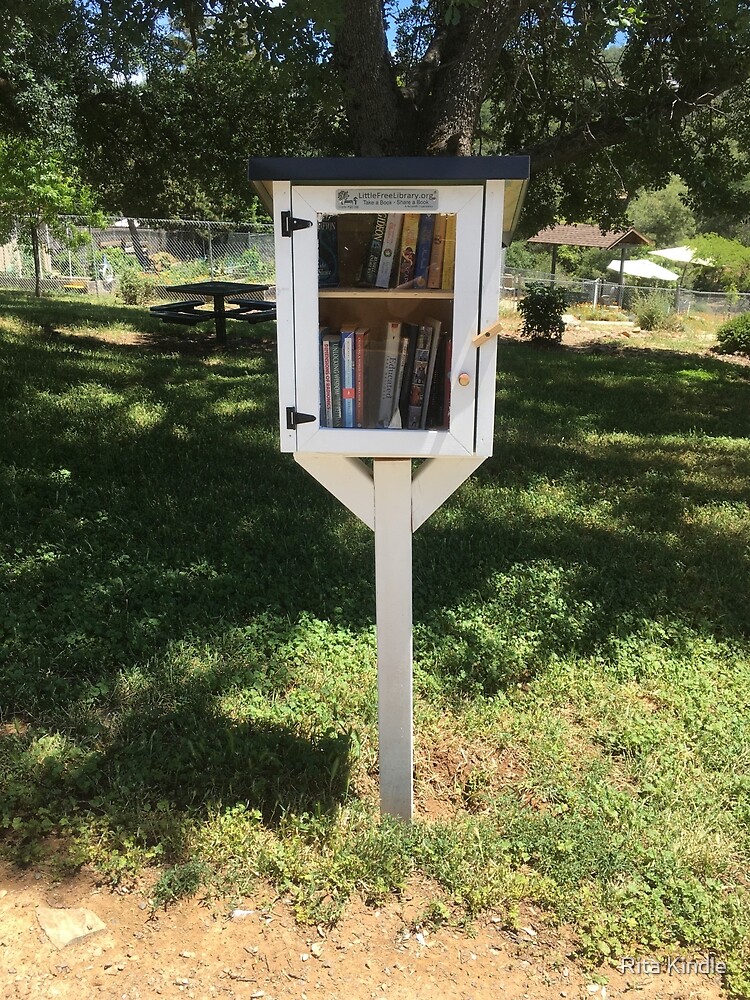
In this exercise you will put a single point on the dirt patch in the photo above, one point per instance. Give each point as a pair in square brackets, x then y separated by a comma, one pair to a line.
[200, 951]
[189, 342]
[612, 336]
[454, 775]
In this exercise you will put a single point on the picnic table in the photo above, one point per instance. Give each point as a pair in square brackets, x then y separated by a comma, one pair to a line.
[191, 312]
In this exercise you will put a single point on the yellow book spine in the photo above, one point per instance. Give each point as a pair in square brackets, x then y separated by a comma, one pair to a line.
[449, 256]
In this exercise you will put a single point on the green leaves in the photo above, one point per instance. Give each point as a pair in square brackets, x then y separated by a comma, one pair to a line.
[734, 335]
[38, 183]
[542, 309]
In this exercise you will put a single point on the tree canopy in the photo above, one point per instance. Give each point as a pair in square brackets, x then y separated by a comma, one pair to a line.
[663, 215]
[169, 97]
[38, 185]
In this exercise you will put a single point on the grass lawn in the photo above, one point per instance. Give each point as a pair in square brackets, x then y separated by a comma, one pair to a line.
[187, 647]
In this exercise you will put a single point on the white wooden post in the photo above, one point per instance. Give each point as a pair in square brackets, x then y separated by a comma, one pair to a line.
[393, 597]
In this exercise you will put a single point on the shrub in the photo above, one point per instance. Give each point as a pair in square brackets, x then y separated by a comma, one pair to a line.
[654, 311]
[135, 288]
[542, 308]
[733, 337]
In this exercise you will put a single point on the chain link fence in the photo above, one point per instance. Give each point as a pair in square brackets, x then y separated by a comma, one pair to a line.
[609, 293]
[162, 252]
[78, 258]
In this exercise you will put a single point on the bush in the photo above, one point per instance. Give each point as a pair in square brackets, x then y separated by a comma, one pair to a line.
[542, 308]
[135, 288]
[733, 337]
[654, 311]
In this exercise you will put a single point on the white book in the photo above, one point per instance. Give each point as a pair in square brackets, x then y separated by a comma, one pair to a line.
[390, 251]
[403, 354]
[390, 365]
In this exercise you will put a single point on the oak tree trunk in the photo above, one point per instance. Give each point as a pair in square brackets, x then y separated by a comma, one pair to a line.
[140, 253]
[438, 111]
[380, 119]
[37, 260]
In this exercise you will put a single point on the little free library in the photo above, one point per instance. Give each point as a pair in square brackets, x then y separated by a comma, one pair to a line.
[388, 277]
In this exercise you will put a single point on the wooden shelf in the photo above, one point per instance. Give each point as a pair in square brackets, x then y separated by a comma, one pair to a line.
[384, 293]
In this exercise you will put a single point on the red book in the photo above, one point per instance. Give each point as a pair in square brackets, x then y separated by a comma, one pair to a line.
[360, 336]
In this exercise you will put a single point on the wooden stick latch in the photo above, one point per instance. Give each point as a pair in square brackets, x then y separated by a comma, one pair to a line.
[488, 333]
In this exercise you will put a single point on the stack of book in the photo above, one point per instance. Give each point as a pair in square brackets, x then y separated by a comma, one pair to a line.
[397, 377]
[388, 250]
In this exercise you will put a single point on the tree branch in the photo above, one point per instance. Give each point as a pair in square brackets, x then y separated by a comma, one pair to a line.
[427, 68]
[567, 148]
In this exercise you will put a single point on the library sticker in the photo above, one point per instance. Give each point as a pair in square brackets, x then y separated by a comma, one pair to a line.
[373, 200]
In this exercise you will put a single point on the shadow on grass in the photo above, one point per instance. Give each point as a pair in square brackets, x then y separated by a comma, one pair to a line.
[148, 499]
[128, 326]
[145, 504]
[618, 494]
[157, 771]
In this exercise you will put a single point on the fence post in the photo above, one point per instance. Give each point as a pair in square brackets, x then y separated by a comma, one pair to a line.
[93, 263]
[210, 254]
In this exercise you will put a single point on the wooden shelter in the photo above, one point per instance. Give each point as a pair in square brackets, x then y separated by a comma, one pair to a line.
[580, 235]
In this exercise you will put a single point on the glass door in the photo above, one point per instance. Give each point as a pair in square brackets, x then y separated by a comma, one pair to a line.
[386, 292]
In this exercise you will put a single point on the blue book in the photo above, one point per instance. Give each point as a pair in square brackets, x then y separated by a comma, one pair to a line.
[347, 376]
[424, 250]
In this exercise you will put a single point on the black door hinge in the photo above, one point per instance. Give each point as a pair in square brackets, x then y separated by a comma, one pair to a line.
[293, 417]
[289, 223]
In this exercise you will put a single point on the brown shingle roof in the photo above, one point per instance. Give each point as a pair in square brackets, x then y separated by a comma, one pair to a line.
[579, 235]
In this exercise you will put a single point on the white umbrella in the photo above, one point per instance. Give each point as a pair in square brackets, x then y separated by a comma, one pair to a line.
[643, 269]
[681, 255]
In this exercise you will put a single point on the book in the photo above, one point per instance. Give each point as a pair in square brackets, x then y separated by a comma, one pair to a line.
[435, 325]
[360, 345]
[449, 255]
[336, 379]
[435, 270]
[435, 415]
[411, 332]
[347, 376]
[389, 253]
[403, 351]
[424, 249]
[354, 235]
[408, 249]
[372, 263]
[419, 377]
[328, 252]
[326, 399]
[331, 385]
[388, 375]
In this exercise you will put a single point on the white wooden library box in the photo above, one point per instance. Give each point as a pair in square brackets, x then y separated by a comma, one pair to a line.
[388, 272]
